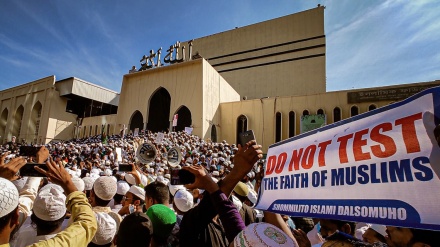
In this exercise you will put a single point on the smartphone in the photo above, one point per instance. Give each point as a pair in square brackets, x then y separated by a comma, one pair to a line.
[28, 170]
[180, 176]
[246, 137]
[125, 168]
[29, 151]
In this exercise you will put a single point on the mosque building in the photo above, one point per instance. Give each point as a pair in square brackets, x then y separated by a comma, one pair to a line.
[269, 77]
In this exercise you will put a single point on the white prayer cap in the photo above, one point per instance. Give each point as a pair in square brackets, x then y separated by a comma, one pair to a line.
[174, 188]
[8, 197]
[144, 179]
[105, 188]
[94, 176]
[252, 196]
[50, 186]
[106, 229]
[19, 183]
[95, 171]
[161, 179]
[167, 176]
[122, 188]
[183, 200]
[88, 183]
[108, 172]
[130, 178]
[215, 173]
[137, 191]
[381, 229]
[79, 183]
[263, 234]
[50, 204]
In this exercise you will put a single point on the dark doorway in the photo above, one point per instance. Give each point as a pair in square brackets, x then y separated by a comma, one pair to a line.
[137, 121]
[159, 111]
[183, 118]
[213, 133]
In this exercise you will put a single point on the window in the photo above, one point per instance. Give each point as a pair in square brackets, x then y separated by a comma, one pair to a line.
[278, 126]
[372, 107]
[305, 112]
[291, 123]
[320, 112]
[336, 114]
[354, 111]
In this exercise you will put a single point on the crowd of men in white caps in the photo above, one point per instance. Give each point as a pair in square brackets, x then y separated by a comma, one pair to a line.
[83, 200]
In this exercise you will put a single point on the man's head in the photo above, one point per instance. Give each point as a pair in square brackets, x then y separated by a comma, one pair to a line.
[329, 227]
[103, 191]
[375, 233]
[163, 220]
[8, 207]
[403, 237]
[135, 230]
[49, 210]
[156, 193]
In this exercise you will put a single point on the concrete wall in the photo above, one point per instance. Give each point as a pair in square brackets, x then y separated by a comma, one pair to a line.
[261, 112]
[26, 95]
[280, 57]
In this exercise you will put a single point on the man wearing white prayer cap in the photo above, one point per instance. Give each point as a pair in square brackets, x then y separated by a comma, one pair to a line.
[48, 215]
[133, 200]
[79, 183]
[8, 209]
[104, 189]
[122, 188]
[106, 231]
[183, 201]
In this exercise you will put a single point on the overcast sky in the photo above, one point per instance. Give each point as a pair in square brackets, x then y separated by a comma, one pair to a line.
[369, 43]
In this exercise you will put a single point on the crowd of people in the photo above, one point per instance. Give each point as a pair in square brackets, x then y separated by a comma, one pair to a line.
[82, 199]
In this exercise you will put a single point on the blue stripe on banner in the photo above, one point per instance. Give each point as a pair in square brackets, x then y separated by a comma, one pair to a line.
[385, 212]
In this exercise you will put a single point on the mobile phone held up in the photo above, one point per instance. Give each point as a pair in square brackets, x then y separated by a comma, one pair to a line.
[245, 137]
[29, 151]
[125, 168]
[180, 176]
[28, 170]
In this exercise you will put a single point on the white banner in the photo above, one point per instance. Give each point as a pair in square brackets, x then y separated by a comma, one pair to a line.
[381, 167]
[159, 138]
[188, 130]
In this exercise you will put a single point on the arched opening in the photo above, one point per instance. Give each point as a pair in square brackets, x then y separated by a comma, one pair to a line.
[159, 111]
[90, 130]
[291, 123]
[108, 129]
[354, 110]
[16, 127]
[336, 114]
[278, 127]
[183, 118]
[320, 112]
[136, 121]
[213, 133]
[305, 112]
[34, 124]
[3, 121]
[85, 131]
[372, 107]
[96, 130]
[242, 126]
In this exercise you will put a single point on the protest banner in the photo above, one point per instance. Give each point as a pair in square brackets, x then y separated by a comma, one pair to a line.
[188, 130]
[136, 132]
[381, 167]
[159, 137]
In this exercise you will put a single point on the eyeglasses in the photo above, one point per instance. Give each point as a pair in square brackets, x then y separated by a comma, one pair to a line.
[124, 198]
